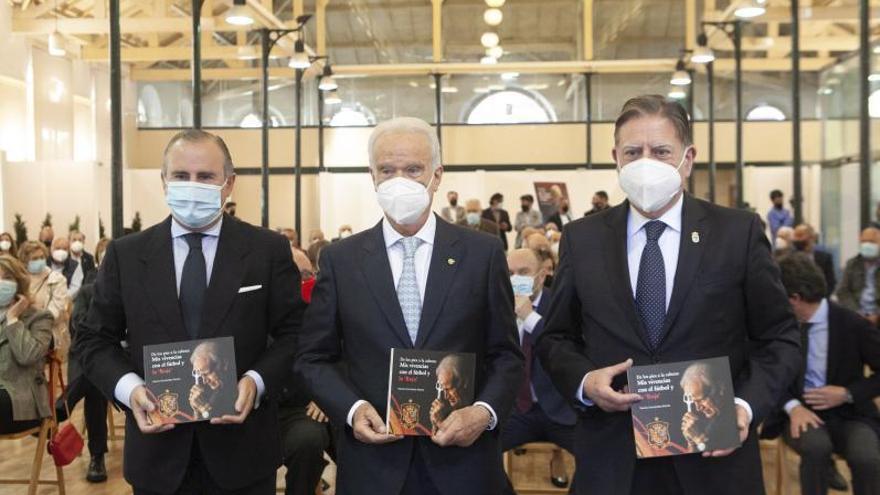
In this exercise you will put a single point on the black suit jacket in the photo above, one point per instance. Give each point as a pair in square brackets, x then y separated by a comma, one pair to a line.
[727, 301]
[135, 299]
[853, 343]
[503, 219]
[826, 264]
[353, 322]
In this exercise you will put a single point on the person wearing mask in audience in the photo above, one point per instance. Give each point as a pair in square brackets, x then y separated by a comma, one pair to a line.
[454, 212]
[661, 278]
[548, 265]
[197, 274]
[25, 339]
[316, 236]
[7, 244]
[830, 406]
[600, 203]
[100, 248]
[541, 414]
[496, 213]
[562, 216]
[305, 429]
[229, 208]
[474, 220]
[778, 216]
[48, 290]
[47, 235]
[804, 240]
[60, 261]
[411, 282]
[527, 219]
[85, 263]
[344, 232]
[859, 290]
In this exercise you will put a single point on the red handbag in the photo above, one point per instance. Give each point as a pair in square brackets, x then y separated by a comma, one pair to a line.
[66, 443]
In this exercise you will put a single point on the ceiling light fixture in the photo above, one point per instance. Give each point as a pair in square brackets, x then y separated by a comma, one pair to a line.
[487, 60]
[680, 77]
[489, 39]
[332, 98]
[702, 53]
[56, 41]
[677, 93]
[494, 3]
[300, 59]
[327, 83]
[750, 9]
[493, 17]
[239, 14]
[495, 52]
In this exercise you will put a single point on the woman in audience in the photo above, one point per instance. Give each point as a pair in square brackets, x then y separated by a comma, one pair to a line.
[48, 290]
[25, 336]
[7, 244]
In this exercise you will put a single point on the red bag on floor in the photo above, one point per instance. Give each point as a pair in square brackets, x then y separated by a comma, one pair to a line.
[66, 443]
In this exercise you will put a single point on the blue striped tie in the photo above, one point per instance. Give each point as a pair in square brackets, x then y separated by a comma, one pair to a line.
[651, 285]
[408, 288]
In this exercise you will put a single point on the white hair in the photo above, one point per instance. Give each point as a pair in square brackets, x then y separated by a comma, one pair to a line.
[406, 125]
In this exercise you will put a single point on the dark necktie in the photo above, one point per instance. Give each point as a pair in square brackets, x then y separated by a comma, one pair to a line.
[524, 395]
[193, 283]
[651, 285]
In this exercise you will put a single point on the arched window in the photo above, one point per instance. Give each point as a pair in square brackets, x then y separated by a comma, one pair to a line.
[765, 112]
[348, 117]
[510, 106]
[874, 104]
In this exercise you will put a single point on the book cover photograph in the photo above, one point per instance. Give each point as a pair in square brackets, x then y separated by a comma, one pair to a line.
[686, 408]
[191, 381]
[424, 387]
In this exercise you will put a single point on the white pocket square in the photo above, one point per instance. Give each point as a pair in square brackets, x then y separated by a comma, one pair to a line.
[249, 288]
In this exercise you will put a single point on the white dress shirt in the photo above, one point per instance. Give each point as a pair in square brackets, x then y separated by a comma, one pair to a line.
[126, 385]
[422, 262]
[670, 243]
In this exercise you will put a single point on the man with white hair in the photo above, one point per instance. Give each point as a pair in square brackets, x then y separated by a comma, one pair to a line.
[411, 282]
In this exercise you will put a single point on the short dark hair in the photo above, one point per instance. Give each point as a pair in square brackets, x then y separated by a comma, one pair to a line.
[647, 105]
[602, 194]
[195, 136]
[527, 197]
[776, 193]
[801, 276]
[496, 197]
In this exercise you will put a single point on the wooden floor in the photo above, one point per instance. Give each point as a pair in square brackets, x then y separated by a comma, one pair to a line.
[531, 470]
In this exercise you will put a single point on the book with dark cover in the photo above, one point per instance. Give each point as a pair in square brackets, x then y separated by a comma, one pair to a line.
[191, 381]
[686, 408]
[424, 387]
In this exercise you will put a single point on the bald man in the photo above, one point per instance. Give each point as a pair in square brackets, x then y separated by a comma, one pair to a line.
[473, 219]
[804, 240]
[858, 290]
[541, 413]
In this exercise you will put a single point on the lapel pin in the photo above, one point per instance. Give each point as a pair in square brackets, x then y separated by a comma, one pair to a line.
[450, 261]
[695, 237]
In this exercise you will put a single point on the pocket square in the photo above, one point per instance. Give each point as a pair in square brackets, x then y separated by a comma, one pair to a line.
[249, 288]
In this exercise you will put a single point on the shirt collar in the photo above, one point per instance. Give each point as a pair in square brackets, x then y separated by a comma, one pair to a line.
[178, 230]
[537, 300]
[425, 234]
[821, 314]
[671, 218]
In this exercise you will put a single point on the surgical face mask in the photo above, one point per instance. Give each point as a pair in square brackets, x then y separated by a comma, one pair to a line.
[344, 234]
[76, 247]
[869, 250]
[403, 200]
[523, 285]
[36, 266]
[193, 204]
[780, 244]
[59, 255]
[526, 207]
[650, 184]
[8, 289]
[5, 245]
[473, 218]
[453, 202]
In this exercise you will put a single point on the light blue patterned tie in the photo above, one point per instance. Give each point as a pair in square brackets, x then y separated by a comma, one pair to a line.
[408, 288]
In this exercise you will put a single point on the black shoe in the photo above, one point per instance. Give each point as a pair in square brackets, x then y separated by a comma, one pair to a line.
[558, 481]
[836, 481]
[97, 471]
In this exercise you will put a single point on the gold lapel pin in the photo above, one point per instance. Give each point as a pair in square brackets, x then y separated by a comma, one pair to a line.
[450, 261]
[695, 237]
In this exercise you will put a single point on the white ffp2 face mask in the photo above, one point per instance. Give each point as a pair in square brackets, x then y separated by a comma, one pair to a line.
[650, 184]
[403, 200]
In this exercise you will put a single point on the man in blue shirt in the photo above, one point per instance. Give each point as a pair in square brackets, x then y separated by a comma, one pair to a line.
[778, 216]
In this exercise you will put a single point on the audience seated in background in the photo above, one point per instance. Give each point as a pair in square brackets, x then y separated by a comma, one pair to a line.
[473, 219]
[59, 260]
[804, 240]
[858, 290]
[830, 408]
[344, 232]
[25, 339]
[7, 244]
[48, 290]
[85, 262]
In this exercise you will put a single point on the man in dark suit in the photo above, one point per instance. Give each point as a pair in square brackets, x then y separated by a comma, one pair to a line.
[662, 278]
[411, 282]
[197, 274]
[830, 406]
[496, 213]
[541, 413]
[804, 240]
[85, 267]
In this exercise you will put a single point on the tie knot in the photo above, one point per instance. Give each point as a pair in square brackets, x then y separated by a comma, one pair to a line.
[654, 229]
[410, 244]
[194, 241]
